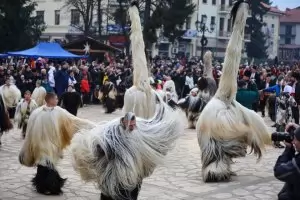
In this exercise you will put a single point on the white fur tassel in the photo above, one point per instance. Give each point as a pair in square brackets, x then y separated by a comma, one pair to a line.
[207, 59]
[140, 98]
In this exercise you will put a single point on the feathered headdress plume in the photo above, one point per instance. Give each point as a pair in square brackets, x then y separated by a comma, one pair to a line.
[140, 69]
[228, 84]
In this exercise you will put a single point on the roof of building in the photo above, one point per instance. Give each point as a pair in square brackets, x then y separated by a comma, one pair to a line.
[291, 16]
[273, 9]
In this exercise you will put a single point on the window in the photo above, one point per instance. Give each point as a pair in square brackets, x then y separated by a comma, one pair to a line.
[75, 17]
[223, 2]
[188, 23]
[40, 15]
[213, 20]
[229, 25]
[230, 2]
[288, 30]
[272, 26]
[288, 41]
[221, 25]
[203, 17]
[204, 1]
[214, 2]
[57, 17]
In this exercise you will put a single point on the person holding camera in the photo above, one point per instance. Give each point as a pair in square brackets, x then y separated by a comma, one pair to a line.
[287, 167]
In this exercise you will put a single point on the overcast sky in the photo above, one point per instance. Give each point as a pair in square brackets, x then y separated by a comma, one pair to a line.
[283, 4]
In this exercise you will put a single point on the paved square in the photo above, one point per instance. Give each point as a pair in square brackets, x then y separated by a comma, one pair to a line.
[179, 178]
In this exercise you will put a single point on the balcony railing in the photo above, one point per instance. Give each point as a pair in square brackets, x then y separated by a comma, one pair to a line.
[224, 9]
[227, 34]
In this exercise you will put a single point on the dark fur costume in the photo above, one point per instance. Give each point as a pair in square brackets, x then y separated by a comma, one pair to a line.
[5, 123]
[192, 107]
[121, 89]
[48, 181]
[108, 102]
[70, 101]
[127, 195]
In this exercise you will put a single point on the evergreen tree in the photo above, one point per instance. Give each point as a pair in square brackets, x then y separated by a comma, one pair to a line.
[18, 28]
[257, 48]
[171, 14]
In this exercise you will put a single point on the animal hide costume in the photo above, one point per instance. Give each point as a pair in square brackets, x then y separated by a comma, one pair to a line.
[107, 95]
[5, 123]
[71, 101]
[118, 159]
[23, 111]
[140, 98]
[225, 128]
[11, 95]
[38, 95]
[206, 84]
[207, 87]
[49, 132]
[284, 104]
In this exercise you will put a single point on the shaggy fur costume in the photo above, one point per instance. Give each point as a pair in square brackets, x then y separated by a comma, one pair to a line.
[140, 98]
[5, 123]
[118, 159]
[49, 132]
[193, 106]
[225, 128]
[38, 95]
[23, 112]
[206, 89]
[11, 96]
[107, 95]
[207, 85]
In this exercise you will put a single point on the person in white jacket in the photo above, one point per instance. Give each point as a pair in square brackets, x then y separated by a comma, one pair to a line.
[51, 76]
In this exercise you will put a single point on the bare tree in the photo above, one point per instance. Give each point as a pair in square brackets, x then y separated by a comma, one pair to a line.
[86, 9]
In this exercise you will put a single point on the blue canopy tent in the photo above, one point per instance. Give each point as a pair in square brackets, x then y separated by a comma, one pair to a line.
[45, 50]
[3, 55]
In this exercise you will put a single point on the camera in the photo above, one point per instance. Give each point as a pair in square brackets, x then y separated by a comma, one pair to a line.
[283, 136]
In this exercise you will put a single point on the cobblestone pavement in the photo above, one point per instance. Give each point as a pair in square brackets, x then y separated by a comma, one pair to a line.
[178, 179]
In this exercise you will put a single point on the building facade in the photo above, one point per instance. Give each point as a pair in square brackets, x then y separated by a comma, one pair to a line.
[290, 35]
[64, 22]
[271, 31]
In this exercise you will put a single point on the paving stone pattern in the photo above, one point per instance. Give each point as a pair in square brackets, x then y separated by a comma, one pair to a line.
[178, 179]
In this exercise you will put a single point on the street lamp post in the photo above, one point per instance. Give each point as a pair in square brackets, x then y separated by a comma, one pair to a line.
[202, 28]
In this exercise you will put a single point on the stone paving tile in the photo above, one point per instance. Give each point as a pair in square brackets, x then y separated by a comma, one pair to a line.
[178, 179]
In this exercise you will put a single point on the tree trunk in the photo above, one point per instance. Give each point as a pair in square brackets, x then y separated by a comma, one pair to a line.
[123, 24]
[99, 13]
[147, 15]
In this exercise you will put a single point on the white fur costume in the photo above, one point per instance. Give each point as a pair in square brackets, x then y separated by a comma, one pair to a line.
[49, 131]
[170, 87]
[38, 95]
[23, 112]
[225, 128]
[11, 95]
[115, 158]
[140, 98]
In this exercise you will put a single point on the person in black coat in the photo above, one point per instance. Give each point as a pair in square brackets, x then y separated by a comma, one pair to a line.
[287, 167]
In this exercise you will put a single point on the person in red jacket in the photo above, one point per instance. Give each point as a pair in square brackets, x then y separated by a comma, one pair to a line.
[85, 90]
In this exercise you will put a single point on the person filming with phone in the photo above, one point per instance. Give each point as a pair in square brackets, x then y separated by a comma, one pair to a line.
[287, 167]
